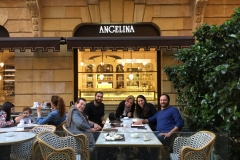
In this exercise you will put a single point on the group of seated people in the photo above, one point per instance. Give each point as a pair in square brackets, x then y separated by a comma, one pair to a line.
[88, 118]
[56, 117]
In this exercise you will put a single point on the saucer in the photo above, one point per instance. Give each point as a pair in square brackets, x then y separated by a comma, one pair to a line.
[146, 139]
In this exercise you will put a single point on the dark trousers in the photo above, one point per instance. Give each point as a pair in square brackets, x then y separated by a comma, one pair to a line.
[153, 152]
[5, 152]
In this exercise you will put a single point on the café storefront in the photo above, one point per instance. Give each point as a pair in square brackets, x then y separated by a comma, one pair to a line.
[118, 59]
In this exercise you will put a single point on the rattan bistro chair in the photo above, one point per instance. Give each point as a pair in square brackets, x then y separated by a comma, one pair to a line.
[54, 147]
[59, 130]
[197, 146]
[36, 153]
[83, 140]
[30, 149]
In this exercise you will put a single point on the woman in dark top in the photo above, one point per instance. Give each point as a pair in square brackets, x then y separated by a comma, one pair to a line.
[5, 114]
[145, 110]
[126, 108]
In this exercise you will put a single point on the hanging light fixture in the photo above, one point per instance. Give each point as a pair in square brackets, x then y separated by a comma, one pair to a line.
[144, 61]
[131, 76]
[82, 62]
[0, 77]
[2, 64]
[102, 64]
[123, 61]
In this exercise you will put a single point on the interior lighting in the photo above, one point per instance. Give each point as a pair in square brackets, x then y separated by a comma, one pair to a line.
[123, 62]
[144, 62]
[131, 76]
[2, 64]
[101, 76]
[82, 64]
[102, 63]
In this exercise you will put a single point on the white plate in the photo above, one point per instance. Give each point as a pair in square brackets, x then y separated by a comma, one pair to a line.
[120, 137]
[146, 139]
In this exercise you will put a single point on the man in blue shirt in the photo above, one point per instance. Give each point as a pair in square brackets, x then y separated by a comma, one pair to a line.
[168, 121]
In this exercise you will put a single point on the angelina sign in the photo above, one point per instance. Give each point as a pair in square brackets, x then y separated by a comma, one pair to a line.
[117, 29]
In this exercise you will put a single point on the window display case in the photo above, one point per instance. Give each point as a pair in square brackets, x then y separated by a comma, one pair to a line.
[9, 79]
[116, 95]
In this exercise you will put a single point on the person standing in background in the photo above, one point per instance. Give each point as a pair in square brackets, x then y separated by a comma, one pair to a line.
[145, 110]
[126, 108]
[58, 114]
[94, 110]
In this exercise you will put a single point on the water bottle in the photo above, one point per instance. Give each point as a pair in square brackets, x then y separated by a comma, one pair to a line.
[21, 121]
[29, 122]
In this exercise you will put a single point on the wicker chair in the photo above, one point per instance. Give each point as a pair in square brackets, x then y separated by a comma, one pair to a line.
[30, 149]
[36, 153]
[59, 130]
[197, 146]
[83, 140]
[54, 147]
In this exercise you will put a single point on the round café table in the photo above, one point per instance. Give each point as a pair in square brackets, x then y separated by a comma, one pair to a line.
[18, 137]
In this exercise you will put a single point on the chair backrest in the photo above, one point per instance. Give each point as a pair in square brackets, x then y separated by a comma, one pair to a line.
[36, 153]
[202, 140]
[57, 147]
[82, 139]
[59, 130]
[42, 128]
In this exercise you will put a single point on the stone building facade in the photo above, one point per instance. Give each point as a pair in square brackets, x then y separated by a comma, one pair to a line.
[39, 75]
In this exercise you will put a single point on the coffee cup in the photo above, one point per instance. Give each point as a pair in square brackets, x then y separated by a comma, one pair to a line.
[134, 135]
[35, 104]
[10, 134]
[145, 137]
[124, 126]
[107, 125]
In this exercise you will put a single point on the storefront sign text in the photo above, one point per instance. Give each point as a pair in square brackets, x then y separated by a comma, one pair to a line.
[116, 29]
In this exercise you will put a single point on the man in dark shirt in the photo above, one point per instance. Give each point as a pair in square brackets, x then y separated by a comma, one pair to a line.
[95, 109]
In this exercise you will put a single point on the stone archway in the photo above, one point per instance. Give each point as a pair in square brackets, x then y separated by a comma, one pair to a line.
[3, 32]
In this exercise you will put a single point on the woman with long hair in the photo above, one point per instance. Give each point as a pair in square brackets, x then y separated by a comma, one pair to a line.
[5, 114]
[126, 108]
[58, 114]
[145, 110]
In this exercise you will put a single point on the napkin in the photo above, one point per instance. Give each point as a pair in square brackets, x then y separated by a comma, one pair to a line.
[110, 138]
[20, 125]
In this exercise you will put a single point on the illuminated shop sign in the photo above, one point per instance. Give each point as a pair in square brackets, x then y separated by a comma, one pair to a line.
[117, 29]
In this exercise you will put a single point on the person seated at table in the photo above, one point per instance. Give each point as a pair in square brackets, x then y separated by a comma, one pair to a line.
[78, 123]
[5, 114]
[26, 116]
[145, 110]
[168, 121]
[58, 114]
[126, 108]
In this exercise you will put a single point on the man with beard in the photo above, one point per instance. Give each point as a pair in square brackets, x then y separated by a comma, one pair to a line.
[94, 110]
[168, 121]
